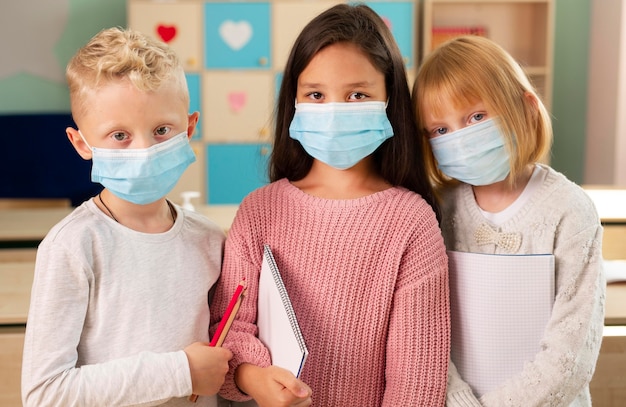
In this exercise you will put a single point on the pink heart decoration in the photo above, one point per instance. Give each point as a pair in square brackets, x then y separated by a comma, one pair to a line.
[237, 100]
[387, 22]
[166, 32]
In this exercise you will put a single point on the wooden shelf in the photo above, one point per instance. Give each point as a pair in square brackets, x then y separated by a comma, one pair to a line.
[525, 28]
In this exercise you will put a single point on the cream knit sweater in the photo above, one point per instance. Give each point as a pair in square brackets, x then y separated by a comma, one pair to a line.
[560, 219]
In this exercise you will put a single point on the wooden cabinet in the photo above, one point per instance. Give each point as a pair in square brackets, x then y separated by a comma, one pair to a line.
[16, 279]
[608, 387]
[11, 348]
[525, 28]
[614, 242]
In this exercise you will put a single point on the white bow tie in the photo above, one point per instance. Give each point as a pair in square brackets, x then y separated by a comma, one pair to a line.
[509, 242]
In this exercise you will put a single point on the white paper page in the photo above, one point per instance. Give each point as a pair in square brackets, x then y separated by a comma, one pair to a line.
[500, 306]
[278, 327]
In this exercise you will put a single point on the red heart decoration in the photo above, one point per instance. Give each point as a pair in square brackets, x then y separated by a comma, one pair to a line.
[166, 32]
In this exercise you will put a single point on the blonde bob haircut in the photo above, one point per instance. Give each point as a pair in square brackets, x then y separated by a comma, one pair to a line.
[116, 54]
[471, 69]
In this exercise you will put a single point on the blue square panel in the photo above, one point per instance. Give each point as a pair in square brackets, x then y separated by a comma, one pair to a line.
[235, 170]
[237, 35]
[195, 101]
[400, 17]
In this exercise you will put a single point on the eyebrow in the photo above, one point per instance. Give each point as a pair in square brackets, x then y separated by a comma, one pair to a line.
[361, 84]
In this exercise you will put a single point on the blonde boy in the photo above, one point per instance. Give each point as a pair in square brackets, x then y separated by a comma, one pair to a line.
[119, 307]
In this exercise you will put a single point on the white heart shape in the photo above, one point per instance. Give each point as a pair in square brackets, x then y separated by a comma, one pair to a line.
[236, 34]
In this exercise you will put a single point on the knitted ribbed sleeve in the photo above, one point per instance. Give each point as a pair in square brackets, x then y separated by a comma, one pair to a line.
[369, 285]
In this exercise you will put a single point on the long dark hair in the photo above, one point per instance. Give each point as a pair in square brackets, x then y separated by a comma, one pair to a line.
[398, 159]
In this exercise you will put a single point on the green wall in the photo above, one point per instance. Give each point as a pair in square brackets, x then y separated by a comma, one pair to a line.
[24, 92]
[569, 100]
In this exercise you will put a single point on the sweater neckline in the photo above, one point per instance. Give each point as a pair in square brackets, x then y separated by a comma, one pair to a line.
[470, 201]
[151, 237]
[297, 194]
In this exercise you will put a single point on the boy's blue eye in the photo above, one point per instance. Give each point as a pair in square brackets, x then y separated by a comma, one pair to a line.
[441, 130]
[119, 136]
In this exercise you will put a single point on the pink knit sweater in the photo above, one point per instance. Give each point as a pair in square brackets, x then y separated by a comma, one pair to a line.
[369, 285]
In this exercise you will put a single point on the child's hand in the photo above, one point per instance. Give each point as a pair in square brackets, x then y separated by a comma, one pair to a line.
[208, 366]
[273, 386]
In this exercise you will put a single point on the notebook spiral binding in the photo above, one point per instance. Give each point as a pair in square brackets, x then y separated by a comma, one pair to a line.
[284, 296]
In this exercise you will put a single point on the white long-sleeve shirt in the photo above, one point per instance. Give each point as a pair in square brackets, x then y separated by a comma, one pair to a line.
[112, 309]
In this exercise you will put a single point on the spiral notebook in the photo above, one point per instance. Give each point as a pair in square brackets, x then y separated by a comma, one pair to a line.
[276, 319]
[500, 306]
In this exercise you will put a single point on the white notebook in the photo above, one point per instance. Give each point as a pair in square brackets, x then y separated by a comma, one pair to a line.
[500, 307]
[276, 320]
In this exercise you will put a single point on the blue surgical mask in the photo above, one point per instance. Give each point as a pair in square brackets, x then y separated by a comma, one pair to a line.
[475, 154]
[142, 175]
[340, 134]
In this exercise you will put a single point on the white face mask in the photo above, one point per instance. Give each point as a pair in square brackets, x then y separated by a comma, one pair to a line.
[476, 154]
[340, 134]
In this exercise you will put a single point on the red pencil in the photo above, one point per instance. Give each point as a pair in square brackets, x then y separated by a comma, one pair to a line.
[226, 321]
[229, 315]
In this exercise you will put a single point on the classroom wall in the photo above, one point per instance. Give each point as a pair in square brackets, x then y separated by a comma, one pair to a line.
[39, 37]
[606, 121]
[569, 96]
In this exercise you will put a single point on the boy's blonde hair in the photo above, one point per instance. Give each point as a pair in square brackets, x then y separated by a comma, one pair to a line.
[472, 69]
[115, 54]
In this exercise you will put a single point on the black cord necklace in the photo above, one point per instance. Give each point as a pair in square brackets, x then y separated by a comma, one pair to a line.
[169, 205]
[106, 207]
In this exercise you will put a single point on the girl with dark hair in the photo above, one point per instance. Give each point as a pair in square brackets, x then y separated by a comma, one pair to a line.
[350, 218]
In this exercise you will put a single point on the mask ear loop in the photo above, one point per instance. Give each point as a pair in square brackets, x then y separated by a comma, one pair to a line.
[83, 137]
